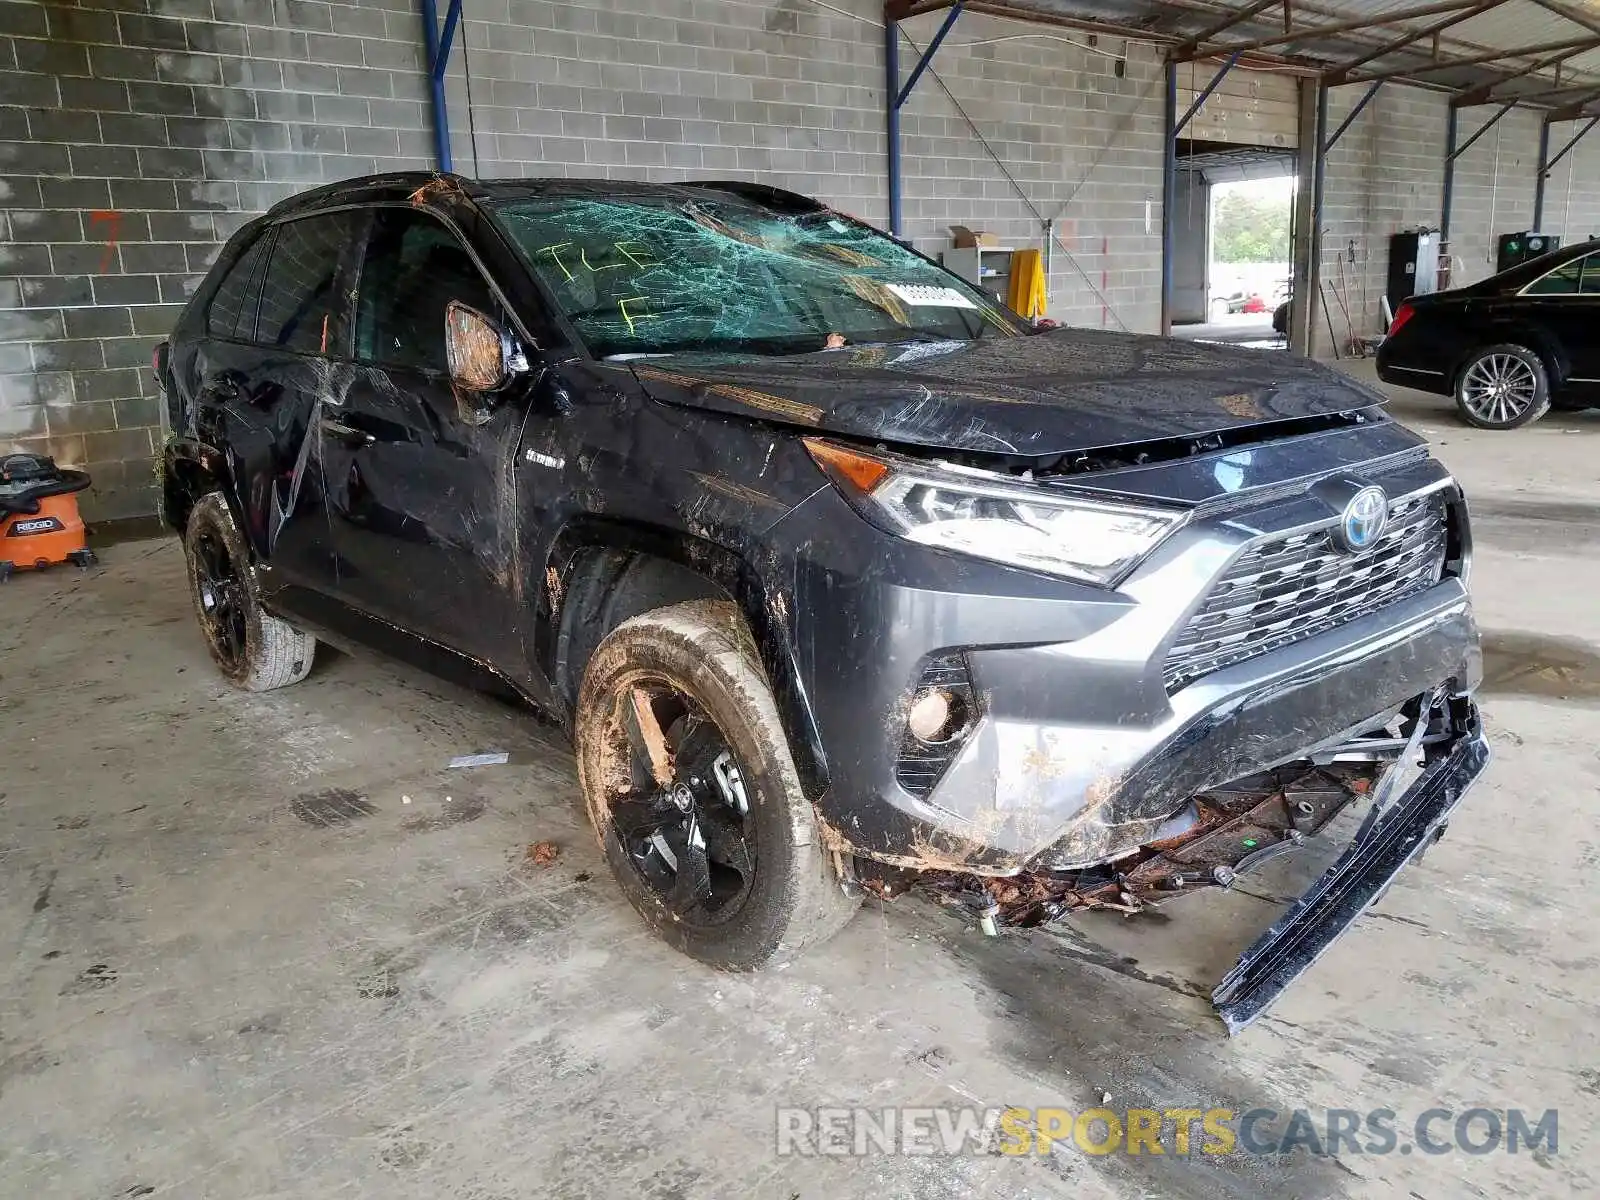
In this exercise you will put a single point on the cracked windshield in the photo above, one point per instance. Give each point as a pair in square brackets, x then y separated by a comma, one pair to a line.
[710, 274]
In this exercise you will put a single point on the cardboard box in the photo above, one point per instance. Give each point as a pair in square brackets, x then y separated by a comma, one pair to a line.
[964, 237]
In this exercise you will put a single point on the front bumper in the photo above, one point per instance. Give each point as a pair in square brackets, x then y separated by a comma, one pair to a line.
[1104, 791]
[1081, 752]
[1392, 836]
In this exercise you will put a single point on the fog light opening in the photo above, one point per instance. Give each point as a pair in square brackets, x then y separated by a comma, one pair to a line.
[936, 716]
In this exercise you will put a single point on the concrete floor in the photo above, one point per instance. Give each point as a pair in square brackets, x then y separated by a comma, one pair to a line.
[268, 946]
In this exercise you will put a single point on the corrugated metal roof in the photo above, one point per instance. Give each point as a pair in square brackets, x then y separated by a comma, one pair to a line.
[1539, 52]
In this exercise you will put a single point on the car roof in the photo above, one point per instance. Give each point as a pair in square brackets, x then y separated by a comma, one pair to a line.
[422, 186]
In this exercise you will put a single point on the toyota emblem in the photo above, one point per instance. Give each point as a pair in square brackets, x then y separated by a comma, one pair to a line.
[1365, 518]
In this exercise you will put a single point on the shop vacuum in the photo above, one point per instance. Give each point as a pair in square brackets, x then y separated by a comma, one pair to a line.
[39, 521]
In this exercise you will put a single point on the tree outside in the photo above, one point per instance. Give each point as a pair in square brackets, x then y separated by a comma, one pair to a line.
[1250, 222]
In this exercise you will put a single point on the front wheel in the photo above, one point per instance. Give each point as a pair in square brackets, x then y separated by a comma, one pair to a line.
[693, 793]
[252, 648]
[1503, 387]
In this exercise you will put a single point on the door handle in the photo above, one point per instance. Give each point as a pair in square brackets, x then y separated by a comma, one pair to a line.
[346, 433]
[221, 388]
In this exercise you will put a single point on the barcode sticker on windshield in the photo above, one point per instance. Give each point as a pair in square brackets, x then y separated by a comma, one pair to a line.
[924, 295]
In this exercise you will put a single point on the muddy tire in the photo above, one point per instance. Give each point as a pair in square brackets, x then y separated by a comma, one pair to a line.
[253, 649]
[697, 660]
[1505, 386]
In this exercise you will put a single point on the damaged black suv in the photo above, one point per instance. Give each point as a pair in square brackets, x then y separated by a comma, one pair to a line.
[843, 578]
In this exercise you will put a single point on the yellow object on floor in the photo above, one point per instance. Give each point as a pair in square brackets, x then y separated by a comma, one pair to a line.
[1027, 296]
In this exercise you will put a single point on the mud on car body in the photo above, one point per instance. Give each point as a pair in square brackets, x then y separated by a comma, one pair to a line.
[843, 578]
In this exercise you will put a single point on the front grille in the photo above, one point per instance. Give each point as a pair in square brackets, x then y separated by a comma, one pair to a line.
[1281, 591]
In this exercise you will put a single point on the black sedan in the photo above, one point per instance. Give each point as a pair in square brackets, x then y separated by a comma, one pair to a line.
[1508, 347]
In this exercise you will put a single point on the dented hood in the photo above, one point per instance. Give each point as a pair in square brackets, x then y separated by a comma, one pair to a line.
[1053, 393]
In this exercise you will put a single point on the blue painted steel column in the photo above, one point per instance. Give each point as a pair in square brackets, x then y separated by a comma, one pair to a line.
[1319, 174]
[1319, 171]
[891, 103]
[438, 48]
[1449, 178]
[1169, 193]
[1538, 179]
[895, 96]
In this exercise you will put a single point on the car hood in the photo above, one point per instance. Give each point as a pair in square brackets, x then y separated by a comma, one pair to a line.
[1064, 391]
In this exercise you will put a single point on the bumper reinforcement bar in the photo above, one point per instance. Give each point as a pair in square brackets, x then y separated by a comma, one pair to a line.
[1393, 836]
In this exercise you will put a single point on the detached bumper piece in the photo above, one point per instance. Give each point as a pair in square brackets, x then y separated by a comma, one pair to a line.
[1394, 833]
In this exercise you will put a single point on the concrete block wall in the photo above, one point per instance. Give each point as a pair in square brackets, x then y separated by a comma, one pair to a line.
[1387, 175]
[1494, 187]
[1572, 193]
[792, 93]
[137, 135]
[788, 92]
[1082, 144]
[134, 138]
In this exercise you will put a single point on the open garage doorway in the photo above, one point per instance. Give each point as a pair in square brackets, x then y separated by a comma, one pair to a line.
[1232, 251]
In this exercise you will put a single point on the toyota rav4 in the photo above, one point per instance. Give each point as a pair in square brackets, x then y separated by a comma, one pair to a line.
[843, 578]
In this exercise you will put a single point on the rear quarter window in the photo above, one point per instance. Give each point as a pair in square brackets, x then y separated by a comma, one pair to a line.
[301, 308]
[232, 312]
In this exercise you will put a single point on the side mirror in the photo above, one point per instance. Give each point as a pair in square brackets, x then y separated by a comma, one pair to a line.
[482, 356]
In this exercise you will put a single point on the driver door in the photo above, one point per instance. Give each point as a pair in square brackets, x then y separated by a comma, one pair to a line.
[423, 500]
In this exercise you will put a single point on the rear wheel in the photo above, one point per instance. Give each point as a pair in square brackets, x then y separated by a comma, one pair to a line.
[693, 793]
[1503, 387]
[253, 649]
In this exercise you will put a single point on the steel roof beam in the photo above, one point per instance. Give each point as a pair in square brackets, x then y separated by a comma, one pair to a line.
[1592, 24]
[1034, 16]
[1554, 96]
[1575, 45]
[1234, 18]
[900, 10]
[1317, 31]
[1341, 74]
[1575, 110]
[1483, 93]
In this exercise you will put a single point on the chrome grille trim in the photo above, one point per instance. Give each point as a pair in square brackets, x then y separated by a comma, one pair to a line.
[1284, 589]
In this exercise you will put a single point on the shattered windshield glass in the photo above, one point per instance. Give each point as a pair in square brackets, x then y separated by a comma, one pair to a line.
[654, 276]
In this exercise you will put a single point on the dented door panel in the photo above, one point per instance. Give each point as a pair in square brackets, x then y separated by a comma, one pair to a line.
[423, 504]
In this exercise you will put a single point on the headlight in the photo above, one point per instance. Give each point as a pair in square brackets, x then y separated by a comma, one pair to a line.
[987, 516]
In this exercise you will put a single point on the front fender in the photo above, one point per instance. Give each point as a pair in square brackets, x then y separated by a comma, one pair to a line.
[738, 577]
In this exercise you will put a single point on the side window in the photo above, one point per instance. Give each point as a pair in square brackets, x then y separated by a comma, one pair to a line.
[1591, 276]
[413, 268]
[235, 296]
[1563, 281]
[301, 309]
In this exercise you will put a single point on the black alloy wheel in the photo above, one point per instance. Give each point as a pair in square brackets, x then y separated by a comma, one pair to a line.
[224, 604]
[684, 818]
